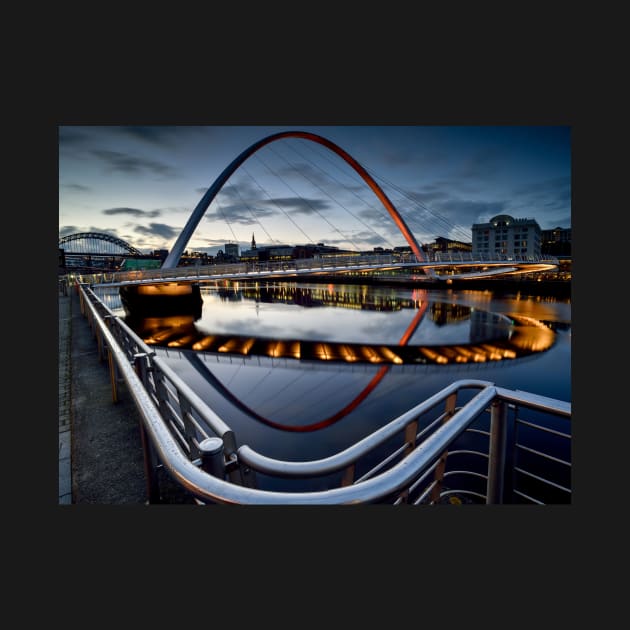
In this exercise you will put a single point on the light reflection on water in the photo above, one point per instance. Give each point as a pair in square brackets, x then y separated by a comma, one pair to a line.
[269, 401]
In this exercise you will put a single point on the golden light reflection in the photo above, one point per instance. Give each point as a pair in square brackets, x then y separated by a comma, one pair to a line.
[348, 353]
[370, 354]
[182, 342]
[204, 343]
[532, 338]
[453, 355]
[322, 351]
[434, 356]
[394, 358]
[161, 337]
[237, 345]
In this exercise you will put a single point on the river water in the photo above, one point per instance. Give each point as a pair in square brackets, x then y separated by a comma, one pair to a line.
[301, 371]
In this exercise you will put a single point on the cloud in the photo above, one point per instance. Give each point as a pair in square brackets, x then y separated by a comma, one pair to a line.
[69, 136]
[299, 205]
[76, 187]
[67, 230]
[301, 171]
[456, 217]
[236, 213]
[481, 164]
[165, 136]
[129, 164]
[158, 229]
[547, 201]
[134, 212]
[155, 134]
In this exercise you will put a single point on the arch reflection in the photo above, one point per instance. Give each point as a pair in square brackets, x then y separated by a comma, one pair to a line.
[493, 337]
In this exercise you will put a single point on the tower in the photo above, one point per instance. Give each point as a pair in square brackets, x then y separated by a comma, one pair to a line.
[253, 241]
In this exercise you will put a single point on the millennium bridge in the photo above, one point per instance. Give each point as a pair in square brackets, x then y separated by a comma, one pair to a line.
[415, 458]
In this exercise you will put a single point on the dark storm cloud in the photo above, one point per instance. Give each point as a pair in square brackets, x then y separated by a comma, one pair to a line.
[76, 187]
[129, 164]
[133, 212]
[158, 229]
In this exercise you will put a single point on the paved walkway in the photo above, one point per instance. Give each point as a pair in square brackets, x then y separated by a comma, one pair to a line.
[100, 449]
[65, 381]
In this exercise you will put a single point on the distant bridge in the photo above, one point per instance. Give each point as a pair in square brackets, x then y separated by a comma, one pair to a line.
[96, 244]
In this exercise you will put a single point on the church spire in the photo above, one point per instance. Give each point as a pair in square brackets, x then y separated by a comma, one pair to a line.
[253, 241]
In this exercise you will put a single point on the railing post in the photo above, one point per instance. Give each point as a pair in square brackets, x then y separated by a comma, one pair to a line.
[148, 452]
[449, 410]
[347, 478]
[113, 375]
[498, 445]
[212, 460]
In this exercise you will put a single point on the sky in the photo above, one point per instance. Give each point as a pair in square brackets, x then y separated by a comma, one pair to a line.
[141, 183]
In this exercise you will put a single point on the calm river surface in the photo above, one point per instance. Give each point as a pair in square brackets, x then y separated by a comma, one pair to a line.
[301, 371]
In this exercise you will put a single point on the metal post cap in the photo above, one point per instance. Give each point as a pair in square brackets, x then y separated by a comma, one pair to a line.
[211, 445]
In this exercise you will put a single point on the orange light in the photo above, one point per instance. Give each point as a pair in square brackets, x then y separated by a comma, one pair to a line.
[204, 343]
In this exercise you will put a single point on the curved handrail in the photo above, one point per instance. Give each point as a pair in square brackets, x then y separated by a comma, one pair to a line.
[206, 487]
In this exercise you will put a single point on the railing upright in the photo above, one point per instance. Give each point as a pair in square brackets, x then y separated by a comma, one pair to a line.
[148, 451]
[497, 451]
[449, 410]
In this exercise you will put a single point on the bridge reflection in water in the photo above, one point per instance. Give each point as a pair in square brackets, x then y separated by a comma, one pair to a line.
[490, 339]
[493, 336]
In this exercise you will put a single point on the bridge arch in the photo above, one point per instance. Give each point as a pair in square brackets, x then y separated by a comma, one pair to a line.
[174, 255]
[98, 236]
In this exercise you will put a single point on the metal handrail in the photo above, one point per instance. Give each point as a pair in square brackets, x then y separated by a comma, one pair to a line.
[398, 477]
[351, 454]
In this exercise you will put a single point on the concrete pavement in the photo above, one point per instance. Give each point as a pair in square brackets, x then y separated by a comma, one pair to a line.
[100, 449]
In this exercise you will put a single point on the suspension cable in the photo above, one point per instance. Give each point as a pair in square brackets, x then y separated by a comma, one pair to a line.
[456, 228]
[271, 240]
[225, 218]
[369, 227]
[277, 205]
[336, 229]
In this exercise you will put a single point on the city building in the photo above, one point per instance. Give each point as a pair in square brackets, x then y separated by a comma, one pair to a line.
[232, 251]
[556, 242]
[504, 235]
[442, 244]
[290, 252]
